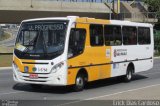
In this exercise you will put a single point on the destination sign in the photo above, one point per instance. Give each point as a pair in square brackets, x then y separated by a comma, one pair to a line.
[45, 27]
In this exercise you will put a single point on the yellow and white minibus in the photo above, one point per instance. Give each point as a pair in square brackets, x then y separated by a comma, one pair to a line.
[74, 50]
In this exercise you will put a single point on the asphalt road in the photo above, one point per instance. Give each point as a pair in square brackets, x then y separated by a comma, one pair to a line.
[9, 90]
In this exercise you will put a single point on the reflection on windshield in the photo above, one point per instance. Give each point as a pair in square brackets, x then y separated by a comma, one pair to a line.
[41, 37]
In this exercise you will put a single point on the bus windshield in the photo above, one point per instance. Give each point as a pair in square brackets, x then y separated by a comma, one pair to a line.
[41, 39]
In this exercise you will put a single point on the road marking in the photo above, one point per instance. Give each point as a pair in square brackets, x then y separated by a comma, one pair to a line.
[109, 94]
[124, 91]
[10, 93]
[69, 103]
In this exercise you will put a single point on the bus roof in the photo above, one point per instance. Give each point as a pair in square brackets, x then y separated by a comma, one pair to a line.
[48, 18]
[129, 23]
[93, 20]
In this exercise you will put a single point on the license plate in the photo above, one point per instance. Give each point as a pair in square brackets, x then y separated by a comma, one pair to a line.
[33, 76]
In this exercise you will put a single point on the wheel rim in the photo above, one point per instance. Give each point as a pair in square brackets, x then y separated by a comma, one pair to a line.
[129, 75]
[79, 82]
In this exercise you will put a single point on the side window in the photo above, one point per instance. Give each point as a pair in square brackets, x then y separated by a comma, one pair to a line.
[76, 42]
[112, 35]
[96, 35]
[144, 35]
[129, 35]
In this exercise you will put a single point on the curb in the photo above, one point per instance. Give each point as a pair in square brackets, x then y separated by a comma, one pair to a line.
[157, 57]
[5, 68]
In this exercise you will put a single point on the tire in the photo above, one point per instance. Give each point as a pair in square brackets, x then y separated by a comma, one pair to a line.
[79, 83]
[129, 74]
[35, 86]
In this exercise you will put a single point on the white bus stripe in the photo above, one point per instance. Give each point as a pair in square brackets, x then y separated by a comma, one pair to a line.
[110, 94]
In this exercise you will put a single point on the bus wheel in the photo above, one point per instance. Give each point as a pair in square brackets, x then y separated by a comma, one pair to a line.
[79, 83]
[129, 74]
[35, 86]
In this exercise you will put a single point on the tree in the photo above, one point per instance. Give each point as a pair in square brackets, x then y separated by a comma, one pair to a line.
[154, 6]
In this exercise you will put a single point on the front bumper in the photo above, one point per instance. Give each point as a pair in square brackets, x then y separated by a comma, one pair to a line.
[53, 79]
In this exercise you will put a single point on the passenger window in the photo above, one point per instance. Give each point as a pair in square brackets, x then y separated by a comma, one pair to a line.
[144, 36]
[112, 35]
[96, 35]
[76, 42]
[129, 35]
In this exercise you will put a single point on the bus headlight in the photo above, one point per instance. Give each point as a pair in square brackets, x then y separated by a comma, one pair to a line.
[15, 67]
[57, 67]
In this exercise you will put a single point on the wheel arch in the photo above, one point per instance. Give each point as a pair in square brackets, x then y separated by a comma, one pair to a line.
[84, 72]
[131, 64]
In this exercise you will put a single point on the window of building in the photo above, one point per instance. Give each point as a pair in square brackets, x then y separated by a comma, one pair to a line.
[129, 35]
[96, 35]
[112, 35]
[144, 35]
